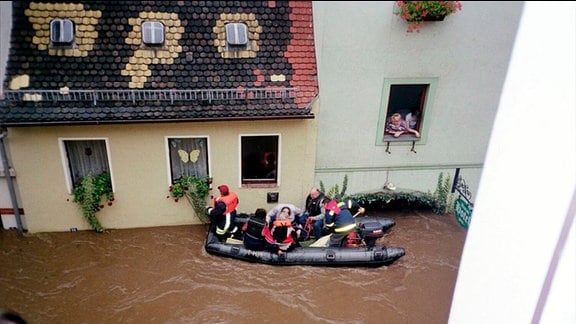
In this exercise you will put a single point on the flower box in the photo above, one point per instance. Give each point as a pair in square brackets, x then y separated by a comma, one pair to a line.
[415, 13]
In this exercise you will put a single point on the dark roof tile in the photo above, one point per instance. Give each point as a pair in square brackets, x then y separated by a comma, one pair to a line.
[109, 55]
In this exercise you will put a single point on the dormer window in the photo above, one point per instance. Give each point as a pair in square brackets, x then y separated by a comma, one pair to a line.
[236, 34]
[62, 32]
[153, 33]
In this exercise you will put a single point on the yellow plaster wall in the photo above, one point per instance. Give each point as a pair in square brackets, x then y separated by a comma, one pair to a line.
[140, 174]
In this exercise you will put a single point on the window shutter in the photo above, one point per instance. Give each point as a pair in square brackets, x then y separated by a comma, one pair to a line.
[236, 34]
[61, 31]
[152, 33]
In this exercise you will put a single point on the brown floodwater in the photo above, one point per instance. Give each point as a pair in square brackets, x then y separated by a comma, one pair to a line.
[164, 275]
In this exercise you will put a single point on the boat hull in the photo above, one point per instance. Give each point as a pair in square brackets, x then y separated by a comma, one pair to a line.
[313, 256]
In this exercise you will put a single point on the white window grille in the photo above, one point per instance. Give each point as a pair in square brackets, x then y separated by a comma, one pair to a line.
[62, 31]
[152, 33]
[236, 34]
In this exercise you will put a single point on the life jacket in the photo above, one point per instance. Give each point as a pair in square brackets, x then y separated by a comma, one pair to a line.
[282, 223]
[231, 201]
[279, 234]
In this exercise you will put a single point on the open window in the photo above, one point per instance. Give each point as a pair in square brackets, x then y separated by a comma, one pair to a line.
[260, 159]
[62, 32]
[83, 157]
[405, 103]
[188, 156]
[153, 33]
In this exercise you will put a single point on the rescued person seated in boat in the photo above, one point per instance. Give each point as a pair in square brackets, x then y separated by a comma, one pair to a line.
[316, 222]
[280, 235]
[253, 237]
[313, 205]
[273, 213]
[294, 215]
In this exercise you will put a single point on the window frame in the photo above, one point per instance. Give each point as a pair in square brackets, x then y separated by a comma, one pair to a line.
[62, 21]
[232, 41]
[66, 162]
[167, 153]
[151, 30]
[383, 139]
[260, 182]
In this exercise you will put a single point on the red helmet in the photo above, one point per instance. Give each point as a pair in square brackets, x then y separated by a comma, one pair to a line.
[223, 190]
[333, 206]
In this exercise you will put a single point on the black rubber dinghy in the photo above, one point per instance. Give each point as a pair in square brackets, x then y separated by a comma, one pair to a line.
[367, 256]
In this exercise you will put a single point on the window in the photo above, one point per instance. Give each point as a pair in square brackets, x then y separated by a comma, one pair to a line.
[260, 159]
[237, 34]
[408, 100]
[152, 33]
[62, 32]
[188, 156]
[82, 157]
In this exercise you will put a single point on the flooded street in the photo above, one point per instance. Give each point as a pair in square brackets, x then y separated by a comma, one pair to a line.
[163, 275]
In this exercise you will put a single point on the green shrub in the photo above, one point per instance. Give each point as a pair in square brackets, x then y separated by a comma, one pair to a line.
[195, 190]
[89, 193]
[394, 200]
[440, 202]
[442, 195]
[335, 192]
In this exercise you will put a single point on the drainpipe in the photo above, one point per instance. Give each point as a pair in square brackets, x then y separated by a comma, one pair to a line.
[6, 165]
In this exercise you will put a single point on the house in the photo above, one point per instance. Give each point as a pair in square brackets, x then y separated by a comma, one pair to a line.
[147, 92]
[450, 71]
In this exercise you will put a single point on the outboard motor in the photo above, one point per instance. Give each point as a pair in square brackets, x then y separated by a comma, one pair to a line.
[371, 232]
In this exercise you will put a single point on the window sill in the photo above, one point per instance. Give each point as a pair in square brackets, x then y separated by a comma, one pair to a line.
[401, 138]
[260, 185]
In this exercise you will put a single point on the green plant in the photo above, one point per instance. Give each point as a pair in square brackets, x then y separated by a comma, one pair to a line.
[393, 200]
[89, 192]
[195, 190]
[416, 12]
[335, 192]
[442, 195]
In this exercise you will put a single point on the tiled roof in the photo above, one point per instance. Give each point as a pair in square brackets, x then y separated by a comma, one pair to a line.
[108, 54]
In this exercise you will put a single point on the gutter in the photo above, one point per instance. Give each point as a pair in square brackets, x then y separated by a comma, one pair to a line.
[11, 189]
[148, 121]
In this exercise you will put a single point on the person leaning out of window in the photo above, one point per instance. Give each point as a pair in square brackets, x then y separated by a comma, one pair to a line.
[397, 126]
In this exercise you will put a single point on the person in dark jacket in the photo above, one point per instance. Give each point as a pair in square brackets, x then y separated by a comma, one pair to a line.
[340, 220]
[354, 207]
[253, 237]
[313, 209]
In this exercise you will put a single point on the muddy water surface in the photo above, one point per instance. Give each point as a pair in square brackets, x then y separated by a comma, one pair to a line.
[163, 275]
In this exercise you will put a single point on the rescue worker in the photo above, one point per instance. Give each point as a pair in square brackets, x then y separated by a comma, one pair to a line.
[223, 212]
[253, 237]
[340, 220]
[354, 207]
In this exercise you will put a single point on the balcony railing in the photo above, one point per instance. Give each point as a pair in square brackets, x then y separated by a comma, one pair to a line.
[171, 95]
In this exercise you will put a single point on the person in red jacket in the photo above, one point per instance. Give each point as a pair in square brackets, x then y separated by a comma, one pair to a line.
[280, 235]
[223, 212]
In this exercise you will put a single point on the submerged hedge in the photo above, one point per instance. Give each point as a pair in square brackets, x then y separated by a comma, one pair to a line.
[396, 200]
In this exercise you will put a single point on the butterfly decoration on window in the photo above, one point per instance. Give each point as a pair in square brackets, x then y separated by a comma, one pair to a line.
[192, 157]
